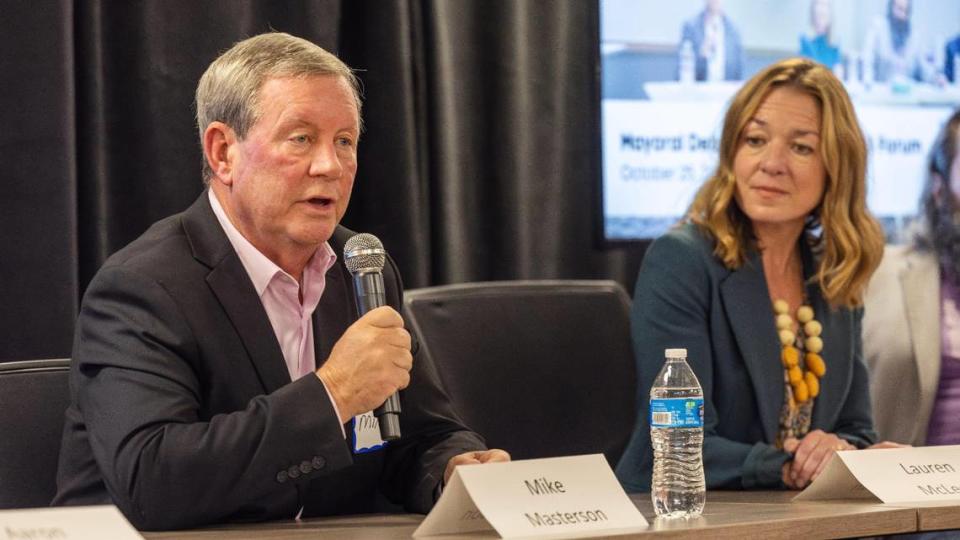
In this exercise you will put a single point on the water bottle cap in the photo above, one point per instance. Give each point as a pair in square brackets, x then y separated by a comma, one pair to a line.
[676, 354]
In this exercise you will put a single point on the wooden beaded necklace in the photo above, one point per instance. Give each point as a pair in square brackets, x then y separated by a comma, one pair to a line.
[806, 385]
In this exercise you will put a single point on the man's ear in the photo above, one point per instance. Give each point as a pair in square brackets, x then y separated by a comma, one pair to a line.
[218, 139]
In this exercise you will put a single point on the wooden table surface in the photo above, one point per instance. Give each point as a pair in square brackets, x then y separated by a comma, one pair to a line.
[728, 514]
[938, 517]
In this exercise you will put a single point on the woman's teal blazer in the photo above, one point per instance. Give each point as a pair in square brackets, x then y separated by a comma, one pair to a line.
[685, 297]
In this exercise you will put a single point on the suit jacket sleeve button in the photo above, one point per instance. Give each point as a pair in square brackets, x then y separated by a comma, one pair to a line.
[306, 467]
[293, 472]
[282, 476]
[318, 462]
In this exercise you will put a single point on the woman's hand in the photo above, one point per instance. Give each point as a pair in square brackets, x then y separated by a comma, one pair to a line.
[785, 475]
[887, 444]
[810, 455]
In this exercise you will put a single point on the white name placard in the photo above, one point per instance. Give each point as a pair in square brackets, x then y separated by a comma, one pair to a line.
[68, 523]
[576, 496]
[929, 474]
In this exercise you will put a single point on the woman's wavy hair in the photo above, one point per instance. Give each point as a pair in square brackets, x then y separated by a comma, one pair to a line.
[940, 207]
[848, 240]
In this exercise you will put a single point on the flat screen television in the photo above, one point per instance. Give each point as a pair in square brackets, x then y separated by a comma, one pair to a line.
[668, 70]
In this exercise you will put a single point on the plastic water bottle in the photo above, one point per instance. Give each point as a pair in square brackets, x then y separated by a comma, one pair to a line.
[687, 62]
[676, 432]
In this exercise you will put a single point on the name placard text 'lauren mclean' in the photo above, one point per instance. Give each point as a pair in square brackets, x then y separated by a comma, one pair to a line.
[893, 475]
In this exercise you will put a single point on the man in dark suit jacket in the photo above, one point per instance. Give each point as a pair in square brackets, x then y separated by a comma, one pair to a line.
[713, 38]
[219, 358]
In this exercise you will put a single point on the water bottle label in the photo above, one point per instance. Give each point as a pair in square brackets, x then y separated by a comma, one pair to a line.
[676, 412]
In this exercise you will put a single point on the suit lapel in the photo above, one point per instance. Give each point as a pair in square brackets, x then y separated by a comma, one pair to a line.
[747, 305]
[232, 286]
[838, 343]
[920, 282]
[335, 312]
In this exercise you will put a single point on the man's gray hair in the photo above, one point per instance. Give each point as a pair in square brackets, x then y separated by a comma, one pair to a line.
[229, 90]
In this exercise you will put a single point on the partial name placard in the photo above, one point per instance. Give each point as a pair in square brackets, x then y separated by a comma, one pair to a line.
[928, 474]
[67, 523]
[576, 496]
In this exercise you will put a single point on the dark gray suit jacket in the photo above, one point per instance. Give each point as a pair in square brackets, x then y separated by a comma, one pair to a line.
[182, 410]
[685, 297]
[694, 31]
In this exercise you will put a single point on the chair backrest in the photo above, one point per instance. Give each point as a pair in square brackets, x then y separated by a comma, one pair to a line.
[33, 397]
[539, 368]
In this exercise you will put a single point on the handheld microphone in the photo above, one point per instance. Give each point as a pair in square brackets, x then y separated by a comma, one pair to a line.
[364, 256]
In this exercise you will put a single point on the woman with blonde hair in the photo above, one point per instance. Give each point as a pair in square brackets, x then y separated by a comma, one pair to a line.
[762, 283]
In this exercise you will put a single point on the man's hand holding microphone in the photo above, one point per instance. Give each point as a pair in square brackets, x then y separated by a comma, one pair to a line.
[371, 362]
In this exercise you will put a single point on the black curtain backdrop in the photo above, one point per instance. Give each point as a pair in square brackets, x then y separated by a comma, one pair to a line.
[480, 158]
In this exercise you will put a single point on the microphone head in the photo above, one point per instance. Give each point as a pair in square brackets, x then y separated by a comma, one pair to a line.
[364, 252]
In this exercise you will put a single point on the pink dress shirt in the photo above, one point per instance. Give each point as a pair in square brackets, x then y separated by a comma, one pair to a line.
[279, 293]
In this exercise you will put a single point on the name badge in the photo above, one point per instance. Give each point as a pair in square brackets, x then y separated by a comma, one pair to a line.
[366, 434]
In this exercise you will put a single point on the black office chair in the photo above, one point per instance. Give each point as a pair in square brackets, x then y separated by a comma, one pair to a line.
[539, 368]
[33, 397]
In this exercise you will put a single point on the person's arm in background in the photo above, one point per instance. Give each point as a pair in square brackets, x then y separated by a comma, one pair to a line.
[686, 36]
[736, 63]
[671, 309]
[951, 49]
[806, 46]
[693, 32]
[871, 49]
[928, 63]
